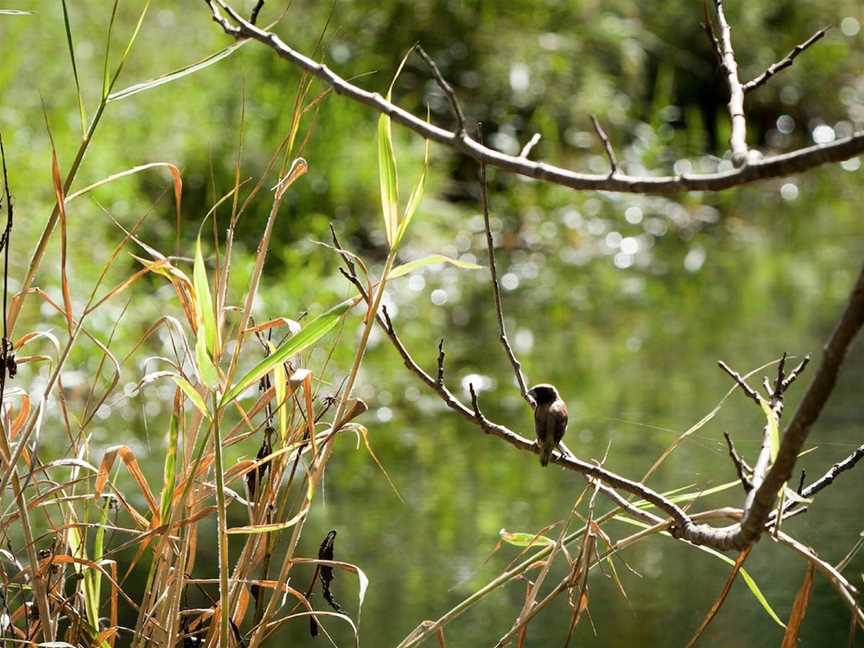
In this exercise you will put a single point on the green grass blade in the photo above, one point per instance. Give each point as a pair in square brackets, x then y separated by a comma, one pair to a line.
[81, 109]
[415, 197]
[745, 575]
[193, 395]
[176, 74]
[432, 259]
[388, 179]
[204, 302]
[106, 81]
[525, 539]
[128, 49]
[169, 470]
[308, 336]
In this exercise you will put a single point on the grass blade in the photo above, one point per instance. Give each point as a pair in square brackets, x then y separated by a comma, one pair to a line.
[174, 75]
[310, 334]
[81, 108]
[388, 179]
[799, 609]
[411, 266]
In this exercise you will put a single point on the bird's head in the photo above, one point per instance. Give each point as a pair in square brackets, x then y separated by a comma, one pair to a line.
[543, 394]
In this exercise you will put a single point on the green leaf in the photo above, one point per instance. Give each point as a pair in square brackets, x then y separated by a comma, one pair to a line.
[387, 179]
[309, 335]
[745, 575]
[193, 395]
[81, 109]
[773, 428]
[414, 199]
[177, 74]
[525, 539]
[206, 369]
[411, 266]
[169, 470]
[204, 302]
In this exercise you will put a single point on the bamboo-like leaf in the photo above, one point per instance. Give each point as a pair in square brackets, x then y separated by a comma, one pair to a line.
[310, 334]
[192, 393]
[204, 302]
[206, 369]
[179, 73]
[518, 539]
[414, 199]
[432, 259]
[388, 179]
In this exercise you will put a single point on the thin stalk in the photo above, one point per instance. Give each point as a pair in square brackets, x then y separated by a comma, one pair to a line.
[222, 525]
[317, 471]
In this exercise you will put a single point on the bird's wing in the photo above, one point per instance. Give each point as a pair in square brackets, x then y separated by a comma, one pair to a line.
[558, 422]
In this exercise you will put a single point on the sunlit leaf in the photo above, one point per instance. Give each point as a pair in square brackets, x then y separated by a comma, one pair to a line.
[193, 395]
[179, 73]
[525, 539]
[310, 334]
[388, 180]
[432, 259]
[204, 301]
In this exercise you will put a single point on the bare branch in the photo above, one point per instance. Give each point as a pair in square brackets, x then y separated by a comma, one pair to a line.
[607, 145]
[747, 389]
[770, 167]
[496, 290]
[828, 478]
[741, 468]
[785, 62]
[808, 412]
[445, 87]
[738, 138]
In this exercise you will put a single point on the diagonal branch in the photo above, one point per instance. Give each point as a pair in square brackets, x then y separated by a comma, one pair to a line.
[770, 167]
[785, 62]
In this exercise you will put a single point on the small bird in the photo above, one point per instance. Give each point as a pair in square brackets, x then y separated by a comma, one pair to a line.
[550, 419]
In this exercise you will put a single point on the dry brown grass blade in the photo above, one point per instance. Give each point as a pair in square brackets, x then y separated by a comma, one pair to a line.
[64, 278]
[799, 609]
[64, 559]
[128, 457]
[727, 586]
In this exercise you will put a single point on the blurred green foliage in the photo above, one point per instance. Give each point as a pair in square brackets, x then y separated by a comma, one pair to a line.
[624, 302]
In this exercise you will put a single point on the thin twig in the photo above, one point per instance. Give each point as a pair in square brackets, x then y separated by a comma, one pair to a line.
[828, 478]
[741, 467]
[253, 17]
[607, 146]
[439, 380]
[529, 145]
[751, 393]
[785, 62]
[496, 289]
[445, 87]
[770, 167]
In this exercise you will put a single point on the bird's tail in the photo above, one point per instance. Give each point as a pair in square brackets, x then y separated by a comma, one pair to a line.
[545, 454]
